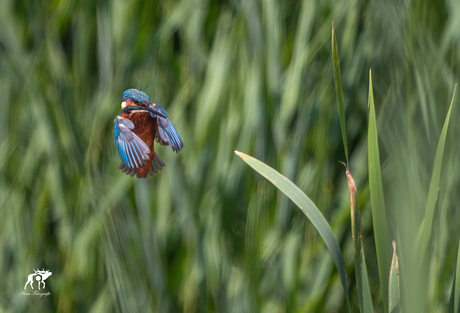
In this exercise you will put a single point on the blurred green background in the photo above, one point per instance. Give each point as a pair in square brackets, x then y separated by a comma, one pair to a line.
[208, 234]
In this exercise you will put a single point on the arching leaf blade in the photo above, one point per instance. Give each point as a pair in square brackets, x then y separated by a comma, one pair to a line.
[307, 207]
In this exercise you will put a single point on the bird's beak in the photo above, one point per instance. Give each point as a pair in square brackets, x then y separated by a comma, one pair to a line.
[151, 109]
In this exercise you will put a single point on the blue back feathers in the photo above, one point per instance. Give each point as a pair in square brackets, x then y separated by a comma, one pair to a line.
[135, 95]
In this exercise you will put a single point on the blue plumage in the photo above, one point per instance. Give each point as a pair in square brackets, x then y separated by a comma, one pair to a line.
[135, 95]
[133, 150]
[167, 133]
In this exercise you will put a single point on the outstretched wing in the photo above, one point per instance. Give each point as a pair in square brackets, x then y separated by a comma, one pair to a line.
[167, 133]
[132, 150]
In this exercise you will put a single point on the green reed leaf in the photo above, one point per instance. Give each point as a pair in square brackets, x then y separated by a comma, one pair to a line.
[338, 91]
[308, 208]
[427, 225]
[379, 217]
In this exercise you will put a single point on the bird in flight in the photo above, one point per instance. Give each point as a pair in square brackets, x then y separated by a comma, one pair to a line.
[138, 125]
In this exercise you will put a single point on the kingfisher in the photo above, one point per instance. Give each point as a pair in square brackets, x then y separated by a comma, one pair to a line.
[135, 129]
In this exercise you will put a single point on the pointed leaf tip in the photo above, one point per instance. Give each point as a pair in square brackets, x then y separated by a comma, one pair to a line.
[379, 217]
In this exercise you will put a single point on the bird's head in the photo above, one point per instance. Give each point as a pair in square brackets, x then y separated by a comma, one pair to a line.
[136, 100]
[134, 97]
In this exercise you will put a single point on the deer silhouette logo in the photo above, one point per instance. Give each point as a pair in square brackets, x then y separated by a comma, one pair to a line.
[39, 276]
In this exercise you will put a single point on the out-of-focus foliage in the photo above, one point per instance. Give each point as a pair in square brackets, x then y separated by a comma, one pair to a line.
[207, 234]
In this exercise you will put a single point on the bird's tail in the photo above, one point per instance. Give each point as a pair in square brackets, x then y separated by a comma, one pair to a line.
[156, 165]
[151, 167]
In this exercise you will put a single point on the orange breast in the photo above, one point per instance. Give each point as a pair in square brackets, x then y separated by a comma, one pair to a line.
[144, 128]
